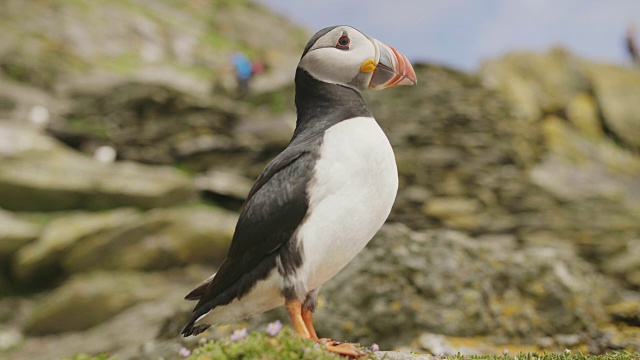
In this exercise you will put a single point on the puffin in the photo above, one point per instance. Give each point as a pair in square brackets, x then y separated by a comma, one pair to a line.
[321, 200]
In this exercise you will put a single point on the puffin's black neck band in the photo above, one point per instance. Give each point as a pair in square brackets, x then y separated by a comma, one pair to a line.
[321, 105]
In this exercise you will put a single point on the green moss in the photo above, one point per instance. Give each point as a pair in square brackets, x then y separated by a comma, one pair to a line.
[124, 63]
[217, 41]
[15, 71]
[287, 346]
[82, 125]
[200, 72]
[260, 345]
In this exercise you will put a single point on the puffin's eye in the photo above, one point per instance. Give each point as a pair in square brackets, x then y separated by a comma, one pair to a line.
[343, 42]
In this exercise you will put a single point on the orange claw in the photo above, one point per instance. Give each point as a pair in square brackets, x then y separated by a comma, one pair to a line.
[345, 349]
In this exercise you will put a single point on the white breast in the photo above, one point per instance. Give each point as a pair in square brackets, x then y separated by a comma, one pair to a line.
[354, 185]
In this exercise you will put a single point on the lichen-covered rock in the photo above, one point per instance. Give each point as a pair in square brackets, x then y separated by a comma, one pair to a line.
[626, 312]
[536, 83]
[89, 299]
[161, 239]
[150, 40]
[128, 334]
[126, 239]
[42, 258]
[615, 337]
[577, 167]
[443, 281]
[48, 176]
[148, 80]
[17, 140]
[625, 264]
[458, 212]
[582, 112]
[222, 184]
[616, 90]
[14, 233]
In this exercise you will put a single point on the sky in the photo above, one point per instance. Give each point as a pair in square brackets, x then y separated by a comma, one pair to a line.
[461, 33]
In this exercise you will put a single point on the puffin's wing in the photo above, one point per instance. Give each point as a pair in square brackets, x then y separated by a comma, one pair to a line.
[274, 209]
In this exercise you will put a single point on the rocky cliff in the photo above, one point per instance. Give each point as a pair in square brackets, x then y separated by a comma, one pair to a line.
[124, 158]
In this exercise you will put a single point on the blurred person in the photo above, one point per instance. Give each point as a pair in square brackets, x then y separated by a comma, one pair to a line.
[244, 73]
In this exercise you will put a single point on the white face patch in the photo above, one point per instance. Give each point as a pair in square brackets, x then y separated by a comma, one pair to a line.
[328, 63]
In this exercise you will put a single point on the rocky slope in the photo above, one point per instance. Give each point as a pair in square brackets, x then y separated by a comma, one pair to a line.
[517, 221]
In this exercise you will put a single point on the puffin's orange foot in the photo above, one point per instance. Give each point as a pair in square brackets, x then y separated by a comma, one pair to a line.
[344, 349]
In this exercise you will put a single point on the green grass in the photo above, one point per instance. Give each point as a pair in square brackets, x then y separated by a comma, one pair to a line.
[260, 345]
[286, 345]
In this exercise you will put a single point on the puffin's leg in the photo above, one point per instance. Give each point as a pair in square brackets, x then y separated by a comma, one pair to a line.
[308, 307]
[294, 309]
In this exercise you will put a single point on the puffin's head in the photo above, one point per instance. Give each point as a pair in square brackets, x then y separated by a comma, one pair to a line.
[343, 55]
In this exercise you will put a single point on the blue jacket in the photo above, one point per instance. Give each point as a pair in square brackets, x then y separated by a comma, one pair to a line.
[243, 66]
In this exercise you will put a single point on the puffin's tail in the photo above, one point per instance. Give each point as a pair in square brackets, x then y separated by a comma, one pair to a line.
[199, 291]
[196, 294]
[192, 329]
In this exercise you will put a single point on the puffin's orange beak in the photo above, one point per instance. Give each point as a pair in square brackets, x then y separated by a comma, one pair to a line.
[392, 68]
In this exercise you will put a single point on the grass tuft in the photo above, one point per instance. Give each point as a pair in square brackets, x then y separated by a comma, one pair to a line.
[260, 345]
[286, 345]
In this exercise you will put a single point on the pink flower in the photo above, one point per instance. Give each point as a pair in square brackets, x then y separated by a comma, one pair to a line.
[239, 334]
[375, 347]
[274, 328]
[184, 352]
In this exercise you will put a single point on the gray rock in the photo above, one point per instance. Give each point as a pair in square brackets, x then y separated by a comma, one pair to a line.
[178, 66]
[163, 238]
[47, 177]
[438, 344]
[60, 236]
[614, 337]
[17, 140]
[582, 111]
[396, 355]
[126, 334]
[577, 167]
[625, 264]
[457, 212]
[89, 299]
[10, 338]
[626, 312]
[616, 90]
[445, 282]
[18, 101]
[536, 83]
[447, 207]
[142, 45]
[15, 233]
[224, 184]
